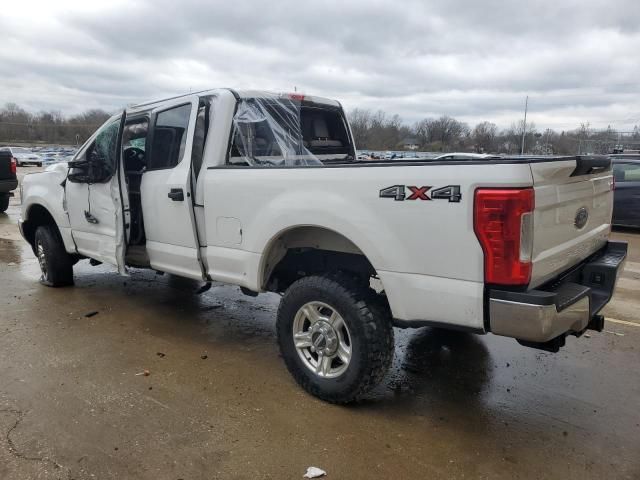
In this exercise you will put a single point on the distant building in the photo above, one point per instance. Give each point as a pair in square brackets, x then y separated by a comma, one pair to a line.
[410, 143]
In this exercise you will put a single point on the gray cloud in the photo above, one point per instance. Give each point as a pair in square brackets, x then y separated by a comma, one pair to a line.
[474, 60]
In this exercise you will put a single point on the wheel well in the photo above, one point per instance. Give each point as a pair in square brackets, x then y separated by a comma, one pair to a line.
[37, 216]
[309, 250]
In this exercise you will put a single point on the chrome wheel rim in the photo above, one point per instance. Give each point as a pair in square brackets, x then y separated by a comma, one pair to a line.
[42, 259]
[322, 339]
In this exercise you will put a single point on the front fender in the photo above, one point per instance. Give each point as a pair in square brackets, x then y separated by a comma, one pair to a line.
[51, 197]
[44, 190]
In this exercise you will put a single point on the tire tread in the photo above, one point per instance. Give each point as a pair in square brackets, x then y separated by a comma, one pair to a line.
[59, 262]
[378, 334]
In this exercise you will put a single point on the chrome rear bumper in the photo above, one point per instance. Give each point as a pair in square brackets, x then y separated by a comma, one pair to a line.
[564, 306]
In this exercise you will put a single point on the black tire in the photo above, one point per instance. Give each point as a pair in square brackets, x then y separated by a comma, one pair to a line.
[57, 270]
[39, 164]
[370, 330]
[4, 202]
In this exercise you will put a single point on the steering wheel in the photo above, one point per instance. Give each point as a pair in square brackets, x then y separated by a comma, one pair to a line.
[134, 158]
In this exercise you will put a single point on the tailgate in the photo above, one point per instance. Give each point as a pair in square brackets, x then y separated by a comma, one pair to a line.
[572, 217]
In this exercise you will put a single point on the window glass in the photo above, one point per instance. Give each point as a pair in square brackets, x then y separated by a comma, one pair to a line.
[169, 137]
[200, 135]
[626, 172]
[135, 134]
[272, 130]
[134, 141]
[102, 152]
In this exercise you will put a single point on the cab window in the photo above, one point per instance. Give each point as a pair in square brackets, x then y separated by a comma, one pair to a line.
[102, 153]
[169, 137]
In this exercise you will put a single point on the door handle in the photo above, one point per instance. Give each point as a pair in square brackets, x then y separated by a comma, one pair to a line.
[90, 218]
[176, 194]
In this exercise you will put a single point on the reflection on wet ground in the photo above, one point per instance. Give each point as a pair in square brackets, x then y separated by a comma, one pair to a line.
[9, 252]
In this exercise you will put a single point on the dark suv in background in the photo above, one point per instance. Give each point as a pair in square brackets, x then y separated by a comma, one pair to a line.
[626, 173]
[8, 180]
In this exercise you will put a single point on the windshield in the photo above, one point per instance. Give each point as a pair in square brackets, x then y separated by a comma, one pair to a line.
[280, 131]
[21, 150]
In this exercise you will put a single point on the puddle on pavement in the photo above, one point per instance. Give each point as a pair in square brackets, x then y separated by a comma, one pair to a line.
[10, 252]
[18, 255]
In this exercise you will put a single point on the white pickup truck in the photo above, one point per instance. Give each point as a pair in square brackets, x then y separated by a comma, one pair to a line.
[265, 191]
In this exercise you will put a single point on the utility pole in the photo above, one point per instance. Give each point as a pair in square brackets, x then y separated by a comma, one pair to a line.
[524, 124]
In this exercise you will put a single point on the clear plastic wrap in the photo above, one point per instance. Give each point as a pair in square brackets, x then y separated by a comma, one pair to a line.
[267, 130]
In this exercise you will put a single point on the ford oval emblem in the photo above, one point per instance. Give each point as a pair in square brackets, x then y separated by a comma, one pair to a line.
[582, 215]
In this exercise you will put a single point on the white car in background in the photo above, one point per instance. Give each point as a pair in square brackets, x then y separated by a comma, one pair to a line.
[24, 156]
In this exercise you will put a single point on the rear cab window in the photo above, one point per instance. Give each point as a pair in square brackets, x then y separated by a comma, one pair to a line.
[280, 131]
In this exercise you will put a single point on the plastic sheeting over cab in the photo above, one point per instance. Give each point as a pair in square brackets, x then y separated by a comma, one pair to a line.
[289, 130]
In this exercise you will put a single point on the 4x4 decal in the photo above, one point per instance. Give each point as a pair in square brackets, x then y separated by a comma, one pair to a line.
[399, 193]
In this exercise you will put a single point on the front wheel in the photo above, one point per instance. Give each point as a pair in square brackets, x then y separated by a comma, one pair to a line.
[335, 336]
[56, 264]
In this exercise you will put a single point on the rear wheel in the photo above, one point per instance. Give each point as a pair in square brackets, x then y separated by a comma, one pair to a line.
[335, 337]
[4, 202]
[56, 264]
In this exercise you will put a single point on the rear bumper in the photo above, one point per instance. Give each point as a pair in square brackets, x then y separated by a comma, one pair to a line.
[8, 185]
[568, 305]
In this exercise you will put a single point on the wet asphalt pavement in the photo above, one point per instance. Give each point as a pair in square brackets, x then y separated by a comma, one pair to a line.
[219, 403]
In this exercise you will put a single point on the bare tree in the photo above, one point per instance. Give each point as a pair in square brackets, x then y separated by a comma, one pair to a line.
[18, 125]
[377, 131]
[484, 137]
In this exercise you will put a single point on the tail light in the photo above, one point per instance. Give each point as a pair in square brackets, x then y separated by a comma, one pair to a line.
[14, 165]
[503, 222]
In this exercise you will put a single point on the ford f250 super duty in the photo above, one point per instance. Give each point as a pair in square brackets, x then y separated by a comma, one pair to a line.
[265, 191]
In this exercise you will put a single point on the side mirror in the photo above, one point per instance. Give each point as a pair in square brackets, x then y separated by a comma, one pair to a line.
[80, 171]
[90, 169]
[81, 164]
[87, 169]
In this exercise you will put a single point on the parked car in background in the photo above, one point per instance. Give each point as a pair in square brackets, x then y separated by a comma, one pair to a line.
[23, 156]
[626, 205]
[8, 180]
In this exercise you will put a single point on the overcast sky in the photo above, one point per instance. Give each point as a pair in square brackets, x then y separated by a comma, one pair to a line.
[579, 61]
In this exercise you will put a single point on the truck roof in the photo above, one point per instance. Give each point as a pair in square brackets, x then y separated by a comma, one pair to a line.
[243, 94]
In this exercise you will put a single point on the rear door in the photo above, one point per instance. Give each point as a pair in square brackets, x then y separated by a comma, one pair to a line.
[572, 217]
[626, 208]
[167, 205]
